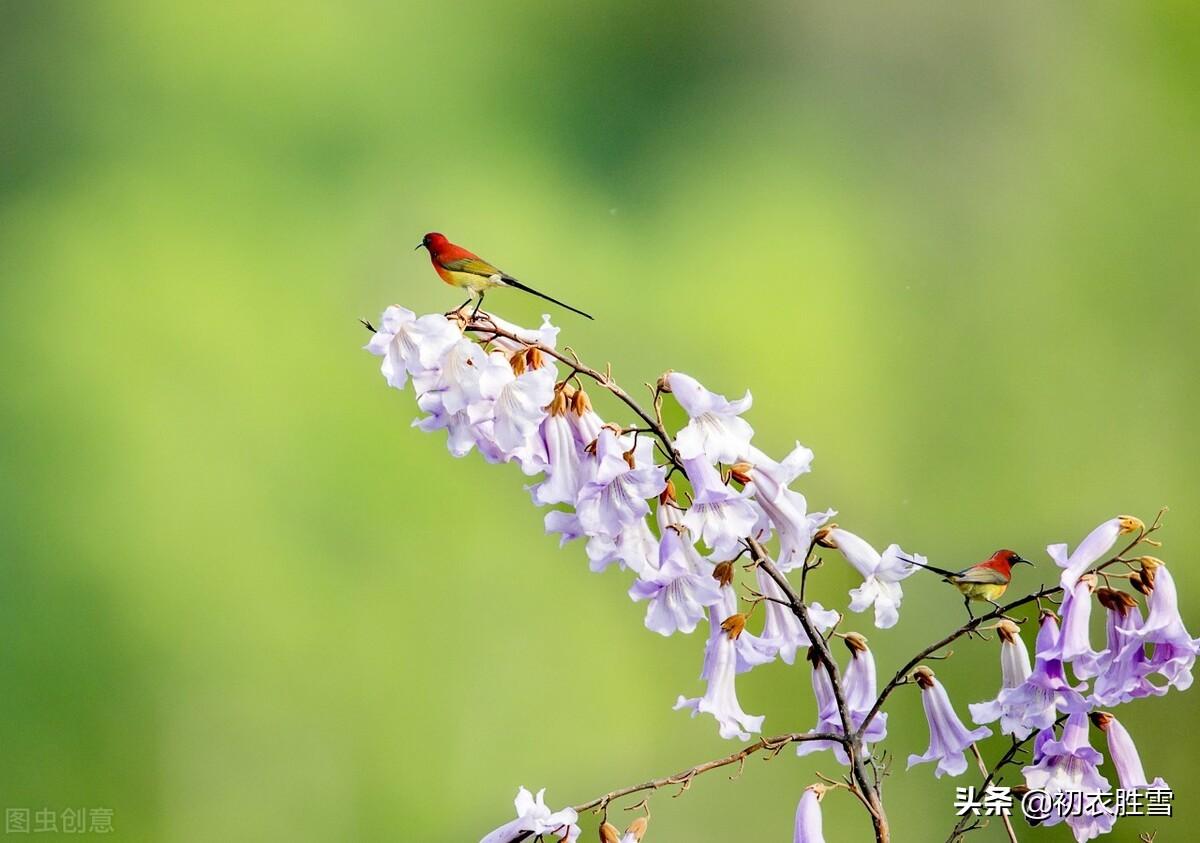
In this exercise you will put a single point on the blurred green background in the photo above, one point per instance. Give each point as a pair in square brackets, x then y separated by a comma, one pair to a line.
[950, 247]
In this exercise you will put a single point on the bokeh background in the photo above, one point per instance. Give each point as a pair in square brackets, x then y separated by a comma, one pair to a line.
[951, 247]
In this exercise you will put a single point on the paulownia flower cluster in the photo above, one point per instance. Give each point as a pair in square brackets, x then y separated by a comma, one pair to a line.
[678, 511]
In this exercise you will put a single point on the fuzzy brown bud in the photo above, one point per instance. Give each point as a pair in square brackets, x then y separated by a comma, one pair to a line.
[558, 404]
[580, 403]
[923, 676]
[667, 496]
[1101, 719]
[734, 625]
[723, 573]
[664, 381]
[1008, 631]
[517, 362]
[638, 828]
[1117, 601]
[1131, 524]
[609, 833]
[534, 358]
[823, 537]
[740, 471]
[855, 643]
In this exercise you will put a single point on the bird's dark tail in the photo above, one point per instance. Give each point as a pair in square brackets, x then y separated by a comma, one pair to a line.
[942, 571]
[513, 282]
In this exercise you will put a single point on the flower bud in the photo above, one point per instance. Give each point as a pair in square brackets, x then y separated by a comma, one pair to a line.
[823, 537]
[609, 833]
[734, 625]
[558, 404]
[740, 471]
[1101, 719]
[1008, 631]
[723, 573]
[923, 676]
[855, 643]
[664, 381]
[667, 496]
[517, 361]
[1131, 524]
[534, 358]
[1117, 601]
[638, 828]
[580, 402]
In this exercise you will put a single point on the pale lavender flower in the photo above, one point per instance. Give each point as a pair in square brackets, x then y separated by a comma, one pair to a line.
[720, 671]
[1124, 754]
[782, 628]
[715, 430]
[534, 818]
[1075, 646]
[948, 737]
[461, 426]
[1035, 703]
[564, 456]
[881, 573]
[808, 816]
[1174, 649]
[719, 516]
[1124, 668]
[614, 492]
[518, 408]
[678, 590]
[634, 547]
[410, 344]
[456, 378]
[565, 524]
[828, 717]
[1014, 670]
[785, 510]
[859, 688]
[1069, 767]
[546, 335]
[1089, 551]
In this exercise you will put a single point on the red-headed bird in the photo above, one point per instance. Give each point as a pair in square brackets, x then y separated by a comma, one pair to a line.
[466, 270]
[986, 581]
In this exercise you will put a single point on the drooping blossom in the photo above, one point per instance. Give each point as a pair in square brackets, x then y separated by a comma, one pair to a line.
[1074, 644]
[1124, 754]
[719, 516]
[829, 719]
[948, 737]
[679, 589]
[1175, 650]
[782, 628]
[1093, 547]
[410, 344]
[1014, 670]
[808, 816]
[564, 456]
[633, 834]
[720, 672]
[518, 408]
[618, 481]
[715, 430]
[785, 510]
[534, 818]
[1067, 769]
[1123, 672]
[1036, 702]
[859, 688]
[881, 573]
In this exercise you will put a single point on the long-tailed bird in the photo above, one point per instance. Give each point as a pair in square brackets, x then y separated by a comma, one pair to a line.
[460, 268]
[986, 581]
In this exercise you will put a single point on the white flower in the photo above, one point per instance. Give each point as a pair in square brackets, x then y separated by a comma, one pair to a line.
[881, 574]
[720, 516]
[634, 547]
[678, 590]
[716, 430]
[782, 629]
[534, 818]
[808, 816]
[614, 493]
[786, 510]
[948, 737]
[410, 345]
[720, 671]
[456, 379]
[518, 402]
[1014, 670]
[564, 456]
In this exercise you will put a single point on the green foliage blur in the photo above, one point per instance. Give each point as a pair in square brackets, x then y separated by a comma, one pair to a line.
[950, 247]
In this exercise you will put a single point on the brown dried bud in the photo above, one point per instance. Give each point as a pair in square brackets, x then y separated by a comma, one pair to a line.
[1131, 524]
[923, 676]
[1140, 585]
[734, 625]
[1150, 566]
[580, 403]
[855, 643]
[1090, 580]
[664, 381]
[723, 573]
[629, 460]
[517, 361]
[1116, 601]
[667, 495]
[1048, 613]
[814, 657]
[823, 537]
[534, 358]
[609, 833]
[590, 448]
[1008, 631]
[638, 828]
[558, 404]
[740, 471]
[1101, 719]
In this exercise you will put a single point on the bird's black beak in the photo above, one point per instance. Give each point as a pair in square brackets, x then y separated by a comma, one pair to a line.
[419, 245]
[1021, 559]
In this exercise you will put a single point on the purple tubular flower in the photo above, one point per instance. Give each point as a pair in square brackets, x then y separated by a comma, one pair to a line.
[786, 510]
[715, 430]
[535, 819]
[881, 573]
[518, 405]
[410, 345]
[808, 816]
[564, 456]
[948, 737]
[1124, 669]
[1089, 551]
[721, 667]
[1174, 650]
[1124, 754]
[859, 692]
[719, 516]
[1069, 767]
[1035, 703]
[828, 718]
[614, 492]
[1074, 643]
[782, 628]
[678, 590]
[1014, 671]
[635, 547]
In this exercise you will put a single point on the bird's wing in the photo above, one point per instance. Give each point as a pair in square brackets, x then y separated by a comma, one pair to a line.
[981, 576]
[473, 266]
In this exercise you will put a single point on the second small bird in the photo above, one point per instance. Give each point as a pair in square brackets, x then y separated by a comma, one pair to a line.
[986, 581]
[460, 268]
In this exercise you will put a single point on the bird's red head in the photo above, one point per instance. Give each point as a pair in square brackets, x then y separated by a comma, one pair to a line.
[1004, 560]
[433, 241]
